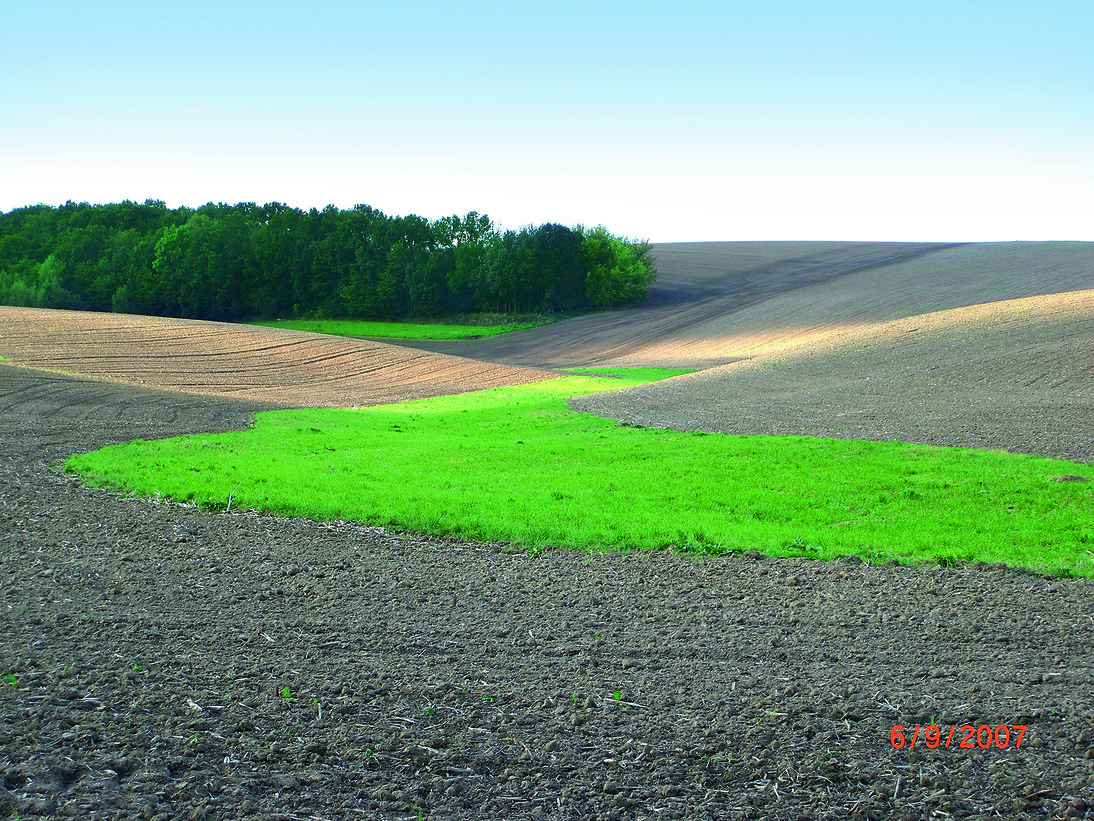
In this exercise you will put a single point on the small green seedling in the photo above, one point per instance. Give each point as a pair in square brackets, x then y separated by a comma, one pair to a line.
[419, 809]
[429, 710]
[800, 544]
[488, 697]
[139, 668]
[194, 740]
[11, 679]
[286, 693]
[618, 696]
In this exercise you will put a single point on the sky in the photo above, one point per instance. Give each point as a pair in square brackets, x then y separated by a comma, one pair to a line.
[902, 120]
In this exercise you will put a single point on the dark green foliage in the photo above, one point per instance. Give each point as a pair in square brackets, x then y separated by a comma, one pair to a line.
[557, 254]
[232, 262]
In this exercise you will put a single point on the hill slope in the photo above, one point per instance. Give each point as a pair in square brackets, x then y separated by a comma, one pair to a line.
[1017, 375]
[239, 361]
[718, 302]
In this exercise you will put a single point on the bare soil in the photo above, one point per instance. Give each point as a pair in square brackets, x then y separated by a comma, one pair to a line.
[698, 286]
[146, 647]
[719, 302]
[160, 661]
[1016, 375]
[246, 362]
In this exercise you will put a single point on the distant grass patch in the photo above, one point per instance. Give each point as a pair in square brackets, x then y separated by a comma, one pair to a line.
[632, 375]
[396, 330]
[516, 464]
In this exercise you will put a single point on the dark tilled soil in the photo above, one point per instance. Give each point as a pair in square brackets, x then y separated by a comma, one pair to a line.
[1017, 376]
[160, 661]
[699, 286]
[716, 303]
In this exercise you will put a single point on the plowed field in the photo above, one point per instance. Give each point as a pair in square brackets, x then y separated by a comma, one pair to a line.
[262, 364]
[716, 303]
[1016, 375]
[158, 661]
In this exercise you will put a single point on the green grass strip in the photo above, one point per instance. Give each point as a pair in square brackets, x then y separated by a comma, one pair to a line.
[634, 376]
[516, 464]
[396, 330]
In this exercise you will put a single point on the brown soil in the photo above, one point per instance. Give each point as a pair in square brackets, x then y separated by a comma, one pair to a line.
[246, 362]
[150, 643]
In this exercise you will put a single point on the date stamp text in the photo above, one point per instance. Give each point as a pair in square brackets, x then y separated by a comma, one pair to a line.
[963, 736]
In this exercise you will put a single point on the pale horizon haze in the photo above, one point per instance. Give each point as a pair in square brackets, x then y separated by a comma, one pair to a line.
[894, 120]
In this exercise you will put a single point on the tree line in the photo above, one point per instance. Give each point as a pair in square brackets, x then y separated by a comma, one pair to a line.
[248, 261]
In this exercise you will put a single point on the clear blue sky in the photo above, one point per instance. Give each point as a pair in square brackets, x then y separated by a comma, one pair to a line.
[673, 121]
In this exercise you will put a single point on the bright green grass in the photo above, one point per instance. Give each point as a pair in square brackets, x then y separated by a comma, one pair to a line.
[516, 464]
[396, 330]
[634, 376]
